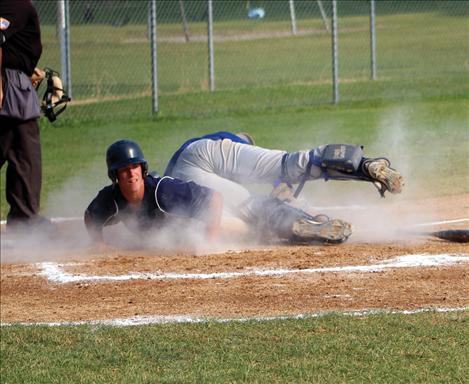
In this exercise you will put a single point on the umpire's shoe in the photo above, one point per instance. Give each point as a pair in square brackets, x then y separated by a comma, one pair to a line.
[328, 231]
[33, 225]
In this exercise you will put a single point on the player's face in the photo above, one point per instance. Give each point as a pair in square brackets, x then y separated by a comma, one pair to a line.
[130, 179]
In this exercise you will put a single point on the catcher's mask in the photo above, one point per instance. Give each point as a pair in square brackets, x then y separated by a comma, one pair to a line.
[121, 154]
[55, 98]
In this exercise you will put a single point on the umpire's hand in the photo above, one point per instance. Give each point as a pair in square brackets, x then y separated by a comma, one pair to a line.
[37, 77]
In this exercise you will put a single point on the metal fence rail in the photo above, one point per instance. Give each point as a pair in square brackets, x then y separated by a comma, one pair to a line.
[104, 48]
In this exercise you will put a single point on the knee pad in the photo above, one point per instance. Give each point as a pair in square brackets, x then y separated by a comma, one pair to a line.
[339, 157]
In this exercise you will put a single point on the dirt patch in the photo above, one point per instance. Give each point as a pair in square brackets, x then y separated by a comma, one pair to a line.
[193, 284]
[28, 295]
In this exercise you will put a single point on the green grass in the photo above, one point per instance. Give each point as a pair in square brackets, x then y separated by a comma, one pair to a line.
[424, 348]
[428, 139]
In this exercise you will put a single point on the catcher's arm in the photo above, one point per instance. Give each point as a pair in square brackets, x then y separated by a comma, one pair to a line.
[213, 217]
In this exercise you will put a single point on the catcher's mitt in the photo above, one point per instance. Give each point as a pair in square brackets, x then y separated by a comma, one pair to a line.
[55, 98]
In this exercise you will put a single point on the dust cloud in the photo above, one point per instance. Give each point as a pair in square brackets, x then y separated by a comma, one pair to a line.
[373, 218]
[70, 240]
[377, 219]
[65, 236]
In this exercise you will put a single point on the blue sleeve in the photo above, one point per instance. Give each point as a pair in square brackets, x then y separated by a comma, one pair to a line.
[182, 198]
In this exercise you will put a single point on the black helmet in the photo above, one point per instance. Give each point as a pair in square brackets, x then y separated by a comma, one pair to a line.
[121, 154]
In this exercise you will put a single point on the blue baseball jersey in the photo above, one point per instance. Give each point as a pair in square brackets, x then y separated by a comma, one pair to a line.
[164, 197]
[212, 136]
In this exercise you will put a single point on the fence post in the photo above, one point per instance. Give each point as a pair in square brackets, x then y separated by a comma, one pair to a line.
[64, 34]
[211, 58]
[323, 15]
[184, 20]
[372, 40]
[154, 58]
[335, 55]
[292, 17]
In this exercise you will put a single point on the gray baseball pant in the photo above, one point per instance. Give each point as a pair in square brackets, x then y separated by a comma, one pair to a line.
[226, 166]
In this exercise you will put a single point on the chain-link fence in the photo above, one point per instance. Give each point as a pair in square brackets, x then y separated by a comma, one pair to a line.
[268, 53]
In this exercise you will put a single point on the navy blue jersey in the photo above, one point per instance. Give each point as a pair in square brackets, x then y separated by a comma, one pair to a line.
[212, 136]
[164, 197]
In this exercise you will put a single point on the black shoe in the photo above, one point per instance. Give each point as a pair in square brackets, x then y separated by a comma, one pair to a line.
[35, 224]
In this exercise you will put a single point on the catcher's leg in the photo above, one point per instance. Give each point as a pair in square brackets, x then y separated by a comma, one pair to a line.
[234, 161]
[340, 162]
[267, 215]
[250, 164]
[289, 223]
[329, 231]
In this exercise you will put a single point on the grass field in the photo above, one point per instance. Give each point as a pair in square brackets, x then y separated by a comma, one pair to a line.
[424, 348]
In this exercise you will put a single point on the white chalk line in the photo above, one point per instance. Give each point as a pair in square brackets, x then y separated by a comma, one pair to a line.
[55, 219]
[54, 271]
[357, 207]
[441, 222]
[186, 319]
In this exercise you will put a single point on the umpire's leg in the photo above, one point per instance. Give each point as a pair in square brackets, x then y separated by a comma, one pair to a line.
[21, 147]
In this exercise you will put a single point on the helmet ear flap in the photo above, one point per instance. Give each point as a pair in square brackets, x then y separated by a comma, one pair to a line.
[113, 176]
[144, 169]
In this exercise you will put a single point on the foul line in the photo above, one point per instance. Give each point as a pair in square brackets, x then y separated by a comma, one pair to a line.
[54, 272]
[344, 207]
[184, 319]
[55, 219]
[442, 222]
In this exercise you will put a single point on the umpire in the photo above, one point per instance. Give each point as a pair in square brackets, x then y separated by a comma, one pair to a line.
[20, 50]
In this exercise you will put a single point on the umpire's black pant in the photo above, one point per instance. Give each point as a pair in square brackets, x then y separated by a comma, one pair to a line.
[20, 146]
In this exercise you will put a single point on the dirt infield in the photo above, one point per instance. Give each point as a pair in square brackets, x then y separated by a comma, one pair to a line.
[280, 280]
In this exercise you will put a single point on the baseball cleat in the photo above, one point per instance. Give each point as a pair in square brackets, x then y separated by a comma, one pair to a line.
[380, 171]
[330, 231]
[321, 218]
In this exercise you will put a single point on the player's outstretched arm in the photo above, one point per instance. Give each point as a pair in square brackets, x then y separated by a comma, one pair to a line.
[213, 218]
[95, 231]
